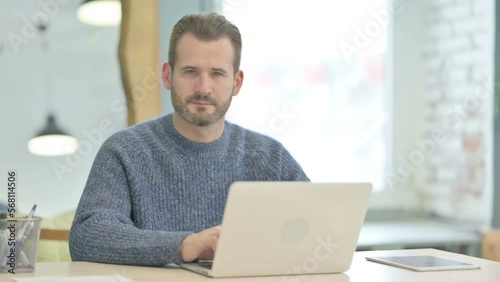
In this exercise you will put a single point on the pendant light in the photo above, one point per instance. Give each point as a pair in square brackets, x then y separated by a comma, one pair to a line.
[51, 140]
[100, 12]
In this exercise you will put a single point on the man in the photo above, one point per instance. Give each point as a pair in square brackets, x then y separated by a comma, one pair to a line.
[157, 190]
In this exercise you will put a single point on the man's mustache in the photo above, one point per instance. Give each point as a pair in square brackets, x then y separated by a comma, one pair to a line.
[201, 98]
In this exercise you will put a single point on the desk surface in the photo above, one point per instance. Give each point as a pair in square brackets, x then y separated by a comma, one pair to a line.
[361, 270]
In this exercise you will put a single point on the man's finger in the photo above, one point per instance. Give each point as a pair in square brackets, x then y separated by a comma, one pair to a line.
[211, 232]
[214, 244]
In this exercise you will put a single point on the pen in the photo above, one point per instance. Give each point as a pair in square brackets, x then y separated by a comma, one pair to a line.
[22, 234]
[26, 227]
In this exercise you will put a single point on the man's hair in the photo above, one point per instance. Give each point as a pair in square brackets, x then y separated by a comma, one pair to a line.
[206, 27]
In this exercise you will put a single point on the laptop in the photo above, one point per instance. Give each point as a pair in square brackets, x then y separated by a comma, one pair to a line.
[287, 228]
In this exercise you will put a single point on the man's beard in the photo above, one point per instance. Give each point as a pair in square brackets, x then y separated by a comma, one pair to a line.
[201, 117]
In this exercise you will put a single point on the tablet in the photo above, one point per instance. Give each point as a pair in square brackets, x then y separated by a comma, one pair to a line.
[423, 263]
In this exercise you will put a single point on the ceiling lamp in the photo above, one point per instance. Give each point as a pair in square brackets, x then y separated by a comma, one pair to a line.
[52, 141]
[100, 12]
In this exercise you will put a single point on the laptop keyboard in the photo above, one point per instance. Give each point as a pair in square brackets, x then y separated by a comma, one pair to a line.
[207, 264]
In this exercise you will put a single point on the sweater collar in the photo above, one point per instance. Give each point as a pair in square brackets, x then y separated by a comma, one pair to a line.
[187, 147]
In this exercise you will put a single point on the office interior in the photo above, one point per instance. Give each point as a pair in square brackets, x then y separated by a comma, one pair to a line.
[401, 94]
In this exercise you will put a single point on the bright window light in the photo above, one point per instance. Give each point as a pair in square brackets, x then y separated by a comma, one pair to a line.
[315, 81]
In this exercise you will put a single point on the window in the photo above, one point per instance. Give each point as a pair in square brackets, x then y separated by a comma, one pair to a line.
[314, 80]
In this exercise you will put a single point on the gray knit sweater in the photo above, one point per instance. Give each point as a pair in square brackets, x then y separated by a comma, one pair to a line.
[150, 187]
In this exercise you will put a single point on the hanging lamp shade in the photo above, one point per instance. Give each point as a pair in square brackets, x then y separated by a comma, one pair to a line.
[100, 12]
[52, 141]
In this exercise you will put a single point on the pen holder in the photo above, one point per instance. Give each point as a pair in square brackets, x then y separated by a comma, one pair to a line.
[19, 238]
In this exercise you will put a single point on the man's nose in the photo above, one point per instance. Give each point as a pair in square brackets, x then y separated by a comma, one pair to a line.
[204, 85]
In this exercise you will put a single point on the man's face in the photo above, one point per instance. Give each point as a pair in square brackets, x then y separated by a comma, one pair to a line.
[203, 82]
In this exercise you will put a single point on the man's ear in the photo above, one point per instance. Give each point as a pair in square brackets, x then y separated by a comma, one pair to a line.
[238, 82]
[166, 75]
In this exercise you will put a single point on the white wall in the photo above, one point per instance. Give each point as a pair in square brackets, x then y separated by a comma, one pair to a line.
[442, 62]
[458, 56]
[87, 94]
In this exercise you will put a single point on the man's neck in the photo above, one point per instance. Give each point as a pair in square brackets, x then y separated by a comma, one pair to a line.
[200, 134]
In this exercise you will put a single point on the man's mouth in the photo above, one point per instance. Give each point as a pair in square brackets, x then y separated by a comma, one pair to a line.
[202, 102]
[199, 100]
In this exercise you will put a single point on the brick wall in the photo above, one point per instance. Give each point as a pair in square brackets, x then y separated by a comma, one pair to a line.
[456, 180]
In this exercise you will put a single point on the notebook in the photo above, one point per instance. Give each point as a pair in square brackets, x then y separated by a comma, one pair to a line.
[288, 228]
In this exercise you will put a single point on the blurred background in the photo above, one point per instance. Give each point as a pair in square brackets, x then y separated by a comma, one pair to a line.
[397, 93]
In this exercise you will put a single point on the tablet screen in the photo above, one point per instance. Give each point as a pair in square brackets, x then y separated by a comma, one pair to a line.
[423, 263]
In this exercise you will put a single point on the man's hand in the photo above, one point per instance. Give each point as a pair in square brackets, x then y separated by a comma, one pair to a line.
[200, 245]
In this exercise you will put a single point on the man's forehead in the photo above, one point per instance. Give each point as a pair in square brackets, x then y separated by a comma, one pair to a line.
[219, 51]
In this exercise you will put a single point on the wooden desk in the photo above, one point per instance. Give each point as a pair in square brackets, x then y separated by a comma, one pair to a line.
[361, 271]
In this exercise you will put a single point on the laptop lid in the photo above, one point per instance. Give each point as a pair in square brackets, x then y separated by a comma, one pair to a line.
[288, 228]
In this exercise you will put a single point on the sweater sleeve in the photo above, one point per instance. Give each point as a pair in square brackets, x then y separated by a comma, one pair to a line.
[290, 168]
[103, 229]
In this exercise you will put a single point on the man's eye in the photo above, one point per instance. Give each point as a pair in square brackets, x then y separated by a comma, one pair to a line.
[190, 71]
[219, 74]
